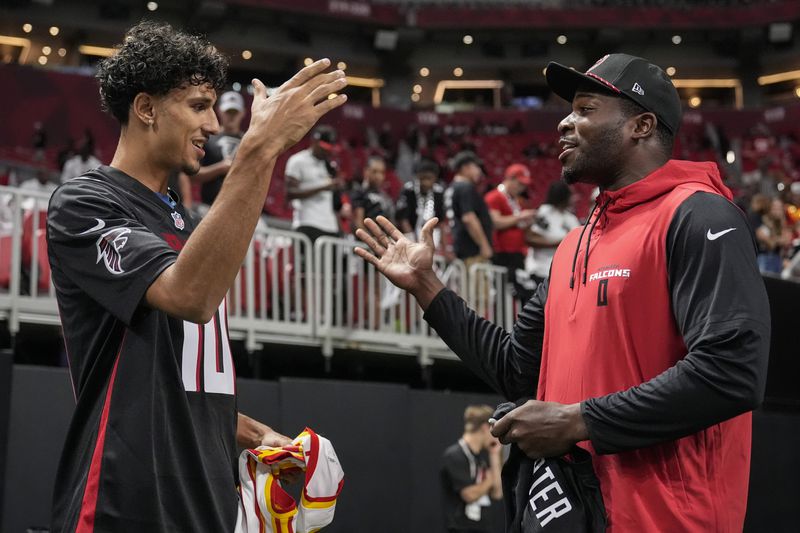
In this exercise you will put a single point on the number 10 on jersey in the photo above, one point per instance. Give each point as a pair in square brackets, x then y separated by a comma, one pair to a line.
[207, 363]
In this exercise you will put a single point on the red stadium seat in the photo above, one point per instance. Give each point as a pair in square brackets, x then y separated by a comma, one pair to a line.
[5, 261]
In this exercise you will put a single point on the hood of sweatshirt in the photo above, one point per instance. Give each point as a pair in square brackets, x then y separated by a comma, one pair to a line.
[661, 181]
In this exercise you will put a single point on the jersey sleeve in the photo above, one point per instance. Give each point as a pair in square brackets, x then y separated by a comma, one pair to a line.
[507, 362]
[721, 309]
[98, 244]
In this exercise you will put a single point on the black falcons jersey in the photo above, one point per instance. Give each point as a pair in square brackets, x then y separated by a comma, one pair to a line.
[152, 443]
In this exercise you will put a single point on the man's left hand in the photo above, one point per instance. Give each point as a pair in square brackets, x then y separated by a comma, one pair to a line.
[542, 429]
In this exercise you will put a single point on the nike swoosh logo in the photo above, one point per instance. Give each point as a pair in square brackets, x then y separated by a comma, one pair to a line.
[100, 225]
[714, 236]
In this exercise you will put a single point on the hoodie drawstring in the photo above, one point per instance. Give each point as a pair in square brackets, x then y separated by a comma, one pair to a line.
[588, 242]
[578, 247]
[589, 239]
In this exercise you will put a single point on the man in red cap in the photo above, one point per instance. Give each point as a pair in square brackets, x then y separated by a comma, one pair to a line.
[510, 223]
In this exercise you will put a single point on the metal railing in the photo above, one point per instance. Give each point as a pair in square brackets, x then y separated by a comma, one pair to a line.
[26, 290]
[358, 308]
[287, 290]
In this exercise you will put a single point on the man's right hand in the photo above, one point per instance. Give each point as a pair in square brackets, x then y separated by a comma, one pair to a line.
[281, 120]
[486, 251]
[407, 264]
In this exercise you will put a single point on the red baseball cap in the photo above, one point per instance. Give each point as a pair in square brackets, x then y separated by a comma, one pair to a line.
[519, 172]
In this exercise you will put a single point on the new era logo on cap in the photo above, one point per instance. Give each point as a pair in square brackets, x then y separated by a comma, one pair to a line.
[638, 89]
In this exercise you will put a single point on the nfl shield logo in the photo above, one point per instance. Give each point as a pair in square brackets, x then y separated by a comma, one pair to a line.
[178, 220]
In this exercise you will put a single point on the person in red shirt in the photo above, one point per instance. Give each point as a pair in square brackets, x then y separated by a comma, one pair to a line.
[510, 222]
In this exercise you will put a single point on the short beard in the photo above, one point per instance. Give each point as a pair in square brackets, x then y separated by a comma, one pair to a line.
[597, 163]
[191, 171]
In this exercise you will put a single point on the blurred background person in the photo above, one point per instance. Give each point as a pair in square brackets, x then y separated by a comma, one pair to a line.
[470, 474]
[369, 200]
[420, 200]
[38, 141]
[774, 237]
[39, 184]
[220, 149]
[81, 162]
[759, 206]
[510, 222]
[311, 183]
[467, 211]
[554, 219]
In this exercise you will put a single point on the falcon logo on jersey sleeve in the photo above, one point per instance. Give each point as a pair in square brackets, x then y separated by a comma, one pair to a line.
[109, 247]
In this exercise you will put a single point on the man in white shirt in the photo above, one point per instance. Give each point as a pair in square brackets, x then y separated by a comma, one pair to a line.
[553, 221]
[80, 163]
[311, 184]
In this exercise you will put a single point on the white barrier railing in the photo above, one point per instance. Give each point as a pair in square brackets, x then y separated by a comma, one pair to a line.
[359, 308]
[287, 291]
[489, 294]
[26, 291]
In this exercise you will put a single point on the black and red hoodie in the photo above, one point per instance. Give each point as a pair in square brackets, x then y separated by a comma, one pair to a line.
[661, 330]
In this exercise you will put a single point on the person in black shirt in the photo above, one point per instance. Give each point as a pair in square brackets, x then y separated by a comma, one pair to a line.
[369, 200]
[470, 474]
[468, 213]
[141, 290]
[221, 148]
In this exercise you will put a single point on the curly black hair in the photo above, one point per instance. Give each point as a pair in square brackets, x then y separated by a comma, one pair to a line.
[155, 58]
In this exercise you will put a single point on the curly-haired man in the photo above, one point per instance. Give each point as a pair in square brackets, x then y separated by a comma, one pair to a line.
[141, 290]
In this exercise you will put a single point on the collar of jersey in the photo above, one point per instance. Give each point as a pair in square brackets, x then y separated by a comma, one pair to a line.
[129, 182]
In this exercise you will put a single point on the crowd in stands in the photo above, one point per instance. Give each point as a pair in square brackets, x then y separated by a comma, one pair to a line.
[506, 177]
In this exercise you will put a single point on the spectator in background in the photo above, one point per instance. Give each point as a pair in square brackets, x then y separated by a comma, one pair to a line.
[471, 474]
[759, 206]
[369, 200]
[510, 221]
[773, 237]
[220, 149]
[311, 184]
[554, 219]
[65, 154]
[420, 200]
[81, 162]
[38, 141]
[467, 211]
[39, 184]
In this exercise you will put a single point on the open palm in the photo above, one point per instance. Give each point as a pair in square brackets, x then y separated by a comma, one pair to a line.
[404, 262]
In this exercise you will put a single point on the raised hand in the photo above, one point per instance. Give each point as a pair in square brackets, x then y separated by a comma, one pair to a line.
[406, 263]
[282, 119]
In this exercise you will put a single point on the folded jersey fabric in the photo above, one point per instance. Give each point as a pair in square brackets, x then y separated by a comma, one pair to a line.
[264, 507]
